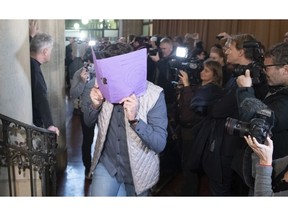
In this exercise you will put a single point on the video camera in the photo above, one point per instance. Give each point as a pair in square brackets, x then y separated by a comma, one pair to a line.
[257, 66]
[183, 62]
[259, 127]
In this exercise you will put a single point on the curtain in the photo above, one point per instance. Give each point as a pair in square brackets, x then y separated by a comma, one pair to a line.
[268, 32]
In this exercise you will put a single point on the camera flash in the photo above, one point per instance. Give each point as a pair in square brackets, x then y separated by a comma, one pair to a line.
[92, 43]
[182, 52]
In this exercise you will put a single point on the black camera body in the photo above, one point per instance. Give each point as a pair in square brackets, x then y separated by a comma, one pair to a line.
[257, 65]
[89, 68]
[183, 62]
[259, 127]
[152, 51]
[219, 37]
[256, 71]
[186, 65]
[192, 66]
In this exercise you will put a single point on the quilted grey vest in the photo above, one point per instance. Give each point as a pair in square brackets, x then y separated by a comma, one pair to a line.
[144, 162]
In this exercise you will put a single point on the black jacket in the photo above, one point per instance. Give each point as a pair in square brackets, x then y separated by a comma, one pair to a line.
[214, 148]
[277, 101]
[40, 106]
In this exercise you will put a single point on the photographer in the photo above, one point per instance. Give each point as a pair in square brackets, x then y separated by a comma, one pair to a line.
[82, 79]
[245, 52]
[219, 156]
[227, 155]
[219, 148]
[154, 49]
[193, 104]
[265, 168]
[170, 157]
[163, 68]
[276, 71]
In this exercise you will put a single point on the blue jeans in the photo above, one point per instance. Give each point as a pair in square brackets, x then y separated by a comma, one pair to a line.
[105, 185]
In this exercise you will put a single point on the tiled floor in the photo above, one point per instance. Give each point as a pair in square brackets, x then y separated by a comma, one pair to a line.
[73, 183]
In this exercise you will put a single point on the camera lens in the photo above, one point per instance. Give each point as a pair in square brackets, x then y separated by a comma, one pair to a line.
[236, 127]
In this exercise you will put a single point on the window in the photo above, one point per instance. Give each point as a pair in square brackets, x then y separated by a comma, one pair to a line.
[92, 29]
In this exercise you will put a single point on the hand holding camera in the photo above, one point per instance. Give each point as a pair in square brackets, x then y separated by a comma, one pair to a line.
[155, 57]
[222, 35]
[152, 51]
[183, 76]
[259, 126]
[244, 80]
[85, 76]
[264, 152]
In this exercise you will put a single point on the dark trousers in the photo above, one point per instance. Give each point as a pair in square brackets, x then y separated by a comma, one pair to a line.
[191, 179]
[232, 184]
[88, 134]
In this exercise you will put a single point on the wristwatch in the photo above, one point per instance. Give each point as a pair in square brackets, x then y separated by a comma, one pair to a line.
[133, 122]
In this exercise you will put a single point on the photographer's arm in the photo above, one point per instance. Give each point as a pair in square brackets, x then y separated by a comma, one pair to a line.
[263, 150]
[155, 58]
[263, 181]
[89, 107]
[77, 84]
[223, 36]
[245, 91]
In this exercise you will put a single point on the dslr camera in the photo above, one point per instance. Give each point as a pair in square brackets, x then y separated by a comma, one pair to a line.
[89, 68]
[182, 62]
[152, 51]
[257, 66]
[259, 127]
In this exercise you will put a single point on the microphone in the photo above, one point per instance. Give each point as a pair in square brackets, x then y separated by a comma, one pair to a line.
[256, 119]
[249, 107]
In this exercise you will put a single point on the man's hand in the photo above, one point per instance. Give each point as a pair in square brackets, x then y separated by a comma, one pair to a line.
[130, 105]
[244, 80]
[54, 129]
[155, 58]
[33, 28]
[84, 75]
[183, 76]
[96, 97]
[223, 35]
[264, 151]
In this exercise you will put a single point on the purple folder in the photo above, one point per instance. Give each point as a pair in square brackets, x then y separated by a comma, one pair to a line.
[121, 76]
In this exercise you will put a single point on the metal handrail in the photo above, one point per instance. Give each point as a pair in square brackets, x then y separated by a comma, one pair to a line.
[28, 147]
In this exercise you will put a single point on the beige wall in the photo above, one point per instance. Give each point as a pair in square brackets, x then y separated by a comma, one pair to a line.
[54, 73]
[15, 91]
[15, 80]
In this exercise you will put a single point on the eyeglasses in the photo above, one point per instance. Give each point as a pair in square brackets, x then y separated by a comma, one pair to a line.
[271, 65]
